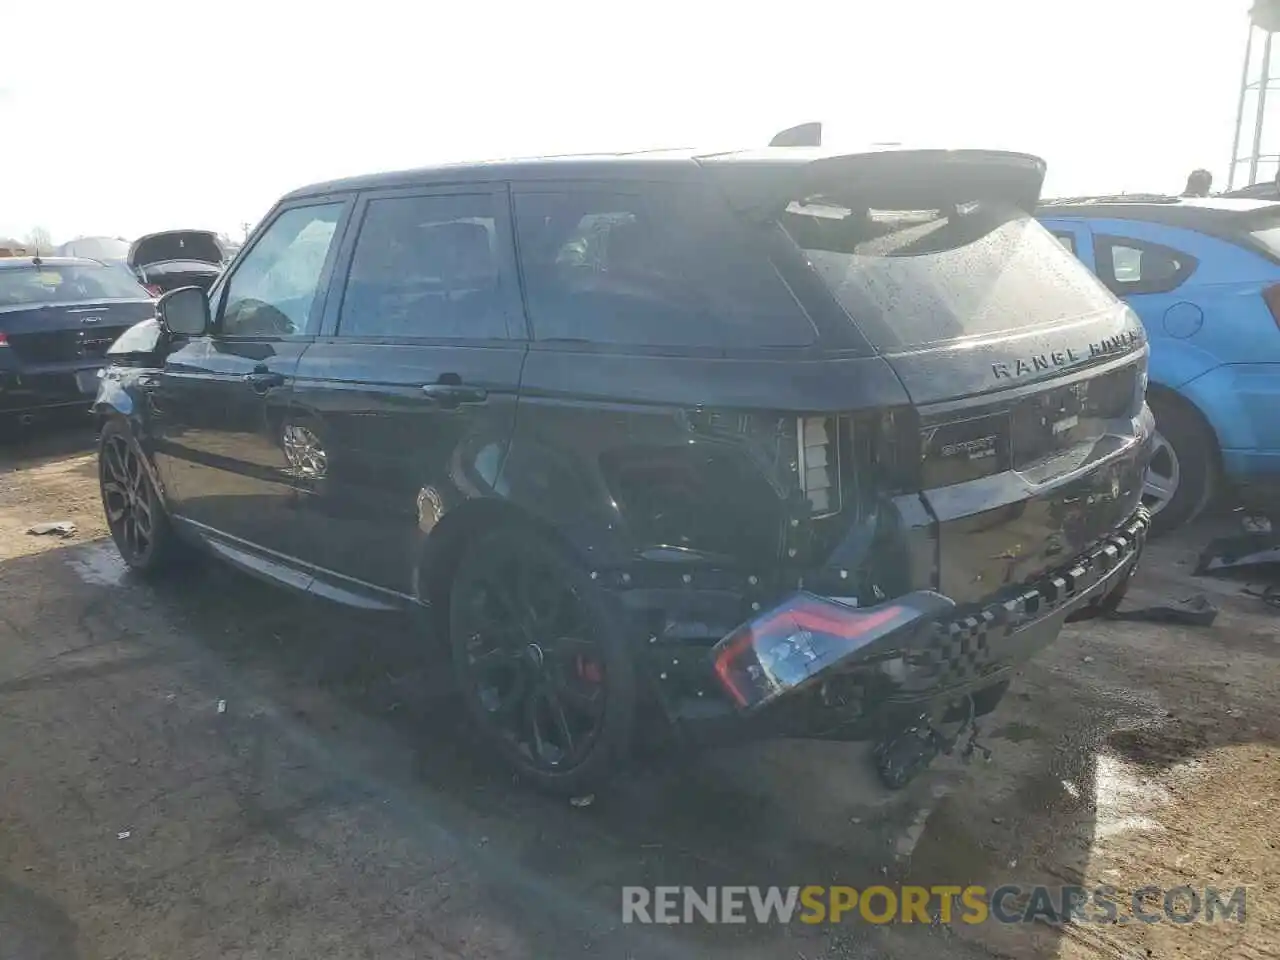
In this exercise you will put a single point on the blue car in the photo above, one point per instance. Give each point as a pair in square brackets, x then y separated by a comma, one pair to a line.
[1204, 276]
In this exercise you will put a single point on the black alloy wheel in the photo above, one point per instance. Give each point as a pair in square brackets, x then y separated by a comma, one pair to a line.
[135, 516]
[541, 661]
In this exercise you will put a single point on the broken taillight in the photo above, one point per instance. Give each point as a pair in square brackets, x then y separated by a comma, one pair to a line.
[805, 634]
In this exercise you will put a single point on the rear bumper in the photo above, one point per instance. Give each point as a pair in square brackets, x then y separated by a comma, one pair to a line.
[877, 688]
[47, 387]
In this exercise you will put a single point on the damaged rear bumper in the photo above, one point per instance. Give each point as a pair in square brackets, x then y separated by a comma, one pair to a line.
[815, 667]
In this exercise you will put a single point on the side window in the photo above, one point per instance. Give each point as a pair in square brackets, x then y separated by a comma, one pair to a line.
[660, 268]
[273, 289]
[1135, 266]
[1068, 240]
[425, 267]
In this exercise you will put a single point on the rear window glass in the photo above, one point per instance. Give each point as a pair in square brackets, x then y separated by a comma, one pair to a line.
[62, 284]
[911, 278]
[660, 267]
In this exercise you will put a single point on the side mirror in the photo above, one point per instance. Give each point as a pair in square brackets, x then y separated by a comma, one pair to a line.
[184, 311]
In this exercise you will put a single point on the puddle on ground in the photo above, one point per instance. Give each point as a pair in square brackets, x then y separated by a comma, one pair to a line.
[99, 564]
[1125, 798]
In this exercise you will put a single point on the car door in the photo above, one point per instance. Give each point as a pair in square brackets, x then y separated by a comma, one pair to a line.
[219, 402]
[406, 404]
[1076, 236]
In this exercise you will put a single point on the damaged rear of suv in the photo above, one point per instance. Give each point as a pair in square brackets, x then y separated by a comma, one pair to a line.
[776, 443]
[869, 439]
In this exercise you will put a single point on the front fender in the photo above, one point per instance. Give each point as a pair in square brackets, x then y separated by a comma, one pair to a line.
[113, 399]
[122, 396]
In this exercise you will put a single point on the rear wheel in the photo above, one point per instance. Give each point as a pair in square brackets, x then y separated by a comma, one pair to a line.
[136, 516]
[1180, 478]
[542, 661]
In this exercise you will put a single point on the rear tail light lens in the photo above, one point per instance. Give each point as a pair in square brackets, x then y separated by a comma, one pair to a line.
[1272, 297]
[791, 644]
[819, 463]
[4, 339]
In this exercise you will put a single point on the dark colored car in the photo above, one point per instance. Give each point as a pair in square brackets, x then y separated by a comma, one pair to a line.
[58, 316]
[176, 258]
[773, 443]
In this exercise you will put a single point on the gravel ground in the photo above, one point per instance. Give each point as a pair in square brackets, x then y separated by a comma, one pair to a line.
[212, 767]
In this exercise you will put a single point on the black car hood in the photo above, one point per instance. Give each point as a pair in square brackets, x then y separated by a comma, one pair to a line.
[200, 245]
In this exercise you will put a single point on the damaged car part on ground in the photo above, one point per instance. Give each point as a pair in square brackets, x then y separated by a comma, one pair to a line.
[771, 443]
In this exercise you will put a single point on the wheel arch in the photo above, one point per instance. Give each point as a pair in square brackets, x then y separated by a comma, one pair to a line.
[1167, 395]
[442, 549]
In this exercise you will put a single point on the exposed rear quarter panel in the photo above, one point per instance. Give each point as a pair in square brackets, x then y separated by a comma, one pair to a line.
[630, 455]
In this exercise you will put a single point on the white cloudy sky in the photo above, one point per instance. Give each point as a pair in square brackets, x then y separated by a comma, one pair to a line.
[137, 115]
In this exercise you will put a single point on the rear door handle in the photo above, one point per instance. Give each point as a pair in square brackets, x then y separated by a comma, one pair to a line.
[264, 380]
[452, 394]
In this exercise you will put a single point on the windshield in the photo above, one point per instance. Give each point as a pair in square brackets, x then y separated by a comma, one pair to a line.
[67, 283]
[911, 278]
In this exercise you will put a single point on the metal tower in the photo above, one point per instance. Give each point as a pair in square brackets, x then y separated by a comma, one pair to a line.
[1256, 82]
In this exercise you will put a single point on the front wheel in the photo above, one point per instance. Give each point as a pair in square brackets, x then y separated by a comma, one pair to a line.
[1180, 477]
[136, 516]
[542, 660]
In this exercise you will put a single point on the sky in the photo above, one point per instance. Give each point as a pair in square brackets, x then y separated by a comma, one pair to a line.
[138, 115]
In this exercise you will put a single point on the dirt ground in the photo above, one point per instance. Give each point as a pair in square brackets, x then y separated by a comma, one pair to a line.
[212, 767]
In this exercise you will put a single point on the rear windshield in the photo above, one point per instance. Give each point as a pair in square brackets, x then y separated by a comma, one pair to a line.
[67, 284]
[911, 278]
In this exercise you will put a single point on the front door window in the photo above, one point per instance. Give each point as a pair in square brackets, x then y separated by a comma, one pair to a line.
[273, 290]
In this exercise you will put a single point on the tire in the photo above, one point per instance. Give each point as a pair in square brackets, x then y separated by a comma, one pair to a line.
[542, 660]
[1186, 454]
[135, 513]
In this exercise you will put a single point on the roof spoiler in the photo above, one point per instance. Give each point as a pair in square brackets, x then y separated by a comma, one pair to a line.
[893, 179]
[803, 135]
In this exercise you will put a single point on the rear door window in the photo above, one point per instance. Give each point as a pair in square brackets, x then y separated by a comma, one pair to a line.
[912, 278]
[426, 267]
[658, 266]
[1135, 266]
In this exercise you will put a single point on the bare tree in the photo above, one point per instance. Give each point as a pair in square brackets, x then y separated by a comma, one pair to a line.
[40, 240]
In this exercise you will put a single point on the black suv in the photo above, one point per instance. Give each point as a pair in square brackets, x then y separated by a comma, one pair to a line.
[781, 442]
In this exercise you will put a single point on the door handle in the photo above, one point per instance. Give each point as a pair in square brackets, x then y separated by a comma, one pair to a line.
[263, 380]
[452, 394]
